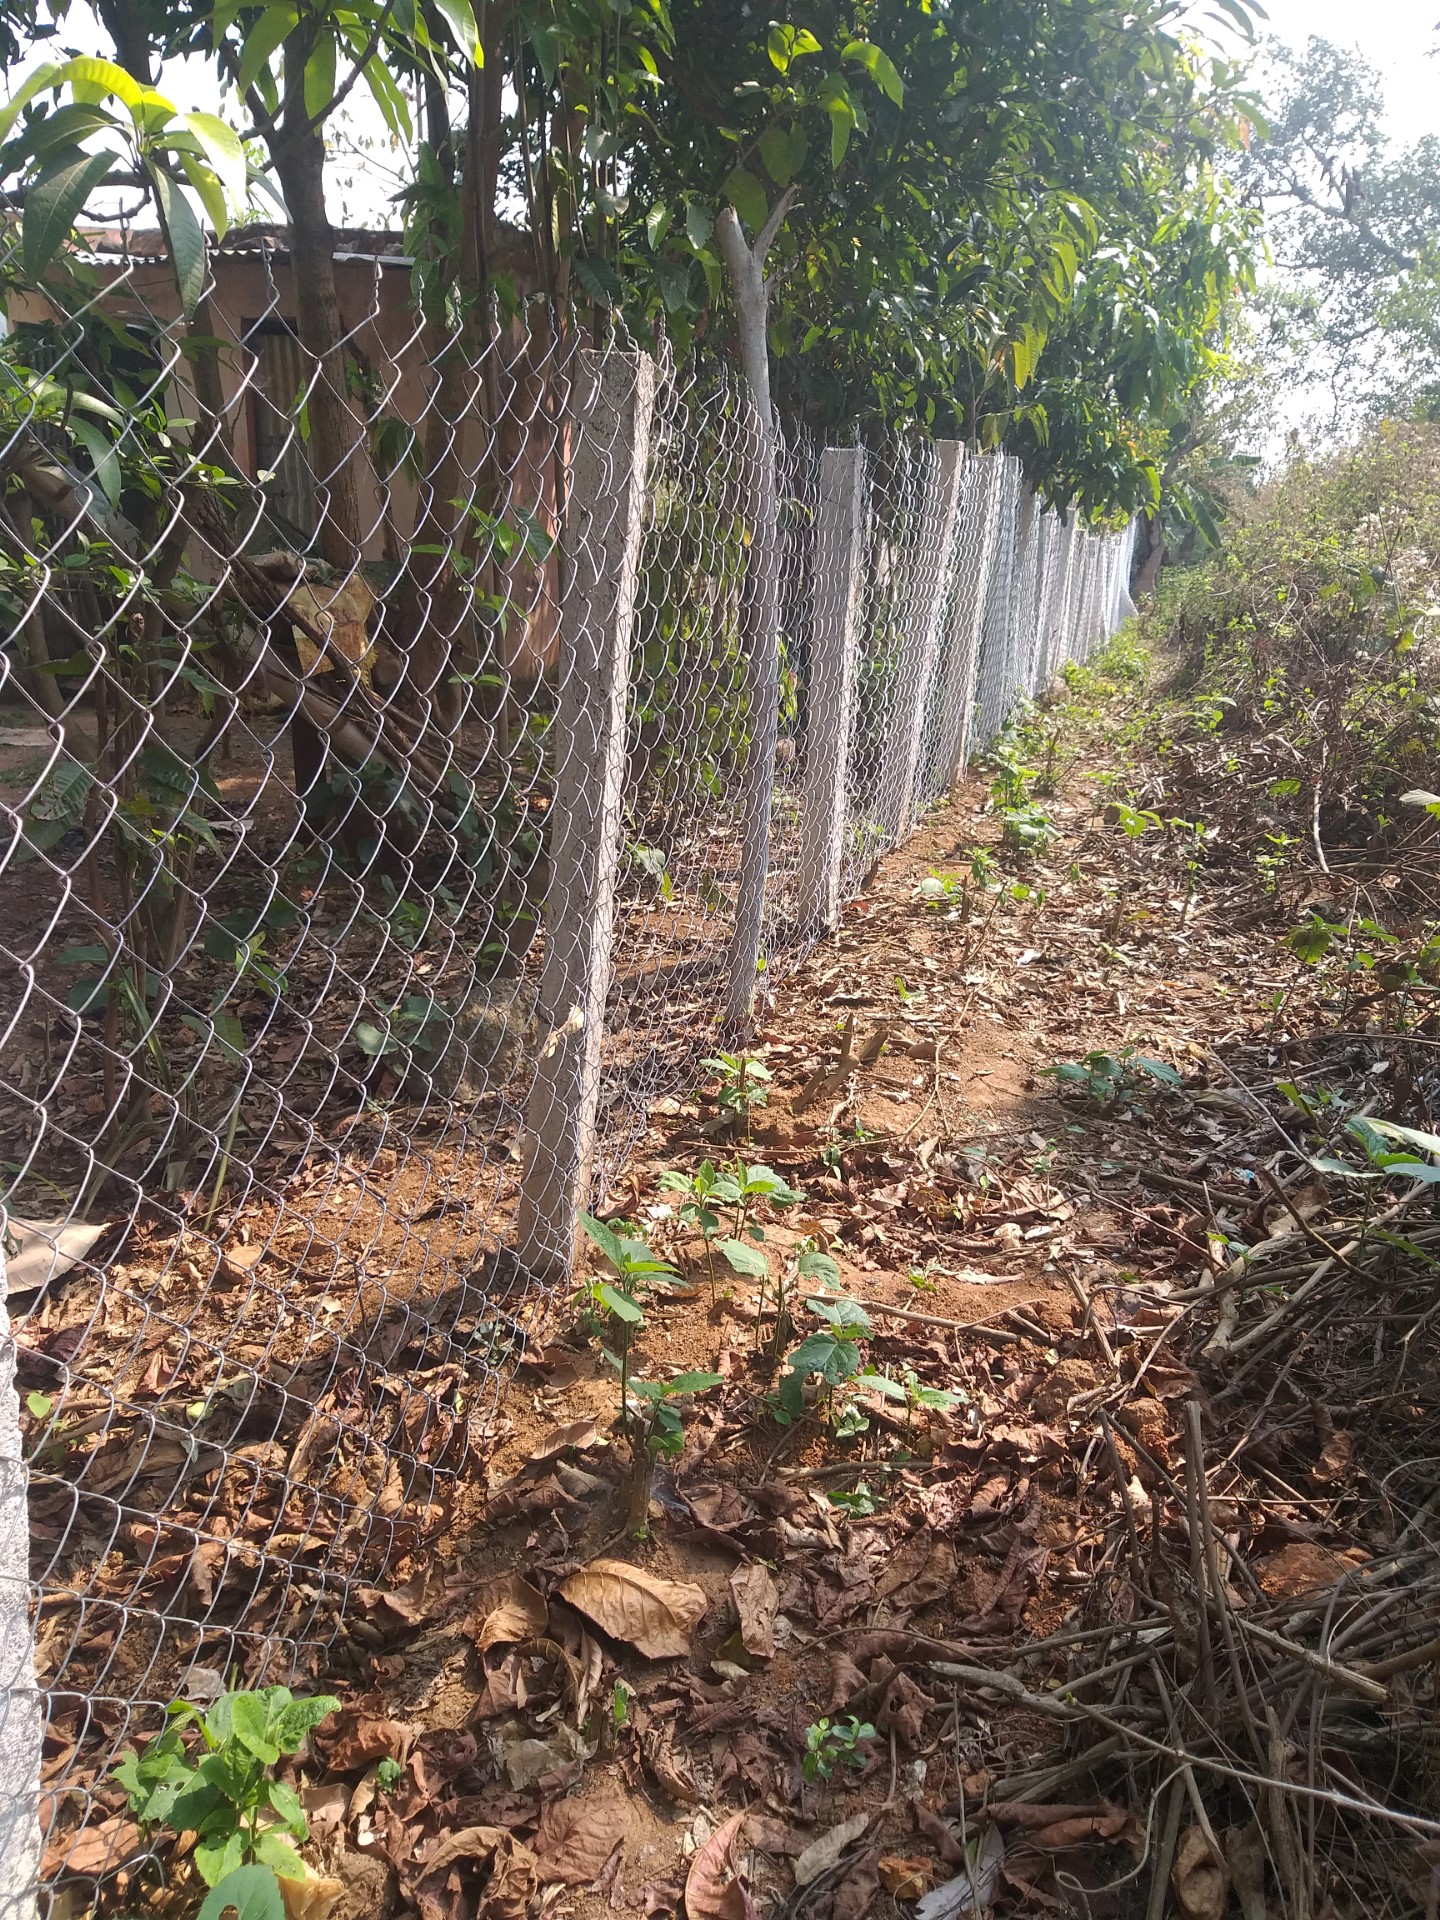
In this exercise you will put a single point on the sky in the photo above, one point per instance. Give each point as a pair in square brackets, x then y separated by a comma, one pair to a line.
[1400, 37]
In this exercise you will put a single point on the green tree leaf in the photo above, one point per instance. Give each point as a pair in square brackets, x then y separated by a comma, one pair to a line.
[223, 150]
[53, 204]
[880, 67]
[187, 238]
[264, 39]
[747, 196]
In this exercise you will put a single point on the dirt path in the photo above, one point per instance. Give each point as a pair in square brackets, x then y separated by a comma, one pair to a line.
[990, 1595]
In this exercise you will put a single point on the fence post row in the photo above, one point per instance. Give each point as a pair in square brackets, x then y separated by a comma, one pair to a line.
[840, 528]
[601, 545]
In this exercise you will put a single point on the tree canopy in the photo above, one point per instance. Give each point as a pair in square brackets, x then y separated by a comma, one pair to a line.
[1010, 218]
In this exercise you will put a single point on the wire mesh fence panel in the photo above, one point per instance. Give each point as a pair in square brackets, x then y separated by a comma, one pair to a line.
[374, 732]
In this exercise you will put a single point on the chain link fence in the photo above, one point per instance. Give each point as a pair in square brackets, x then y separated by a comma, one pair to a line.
[371, 843]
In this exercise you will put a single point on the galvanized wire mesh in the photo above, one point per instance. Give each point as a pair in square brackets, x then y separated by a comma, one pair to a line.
[277, 784]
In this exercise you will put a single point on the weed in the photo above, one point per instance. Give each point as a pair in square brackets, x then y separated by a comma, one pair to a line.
[1105, 1076]
[834, 1743]
[387, 1774]
[858, 1504]
[656, 1432]
[832, 1355]
[742, 1090]
[245, 1821]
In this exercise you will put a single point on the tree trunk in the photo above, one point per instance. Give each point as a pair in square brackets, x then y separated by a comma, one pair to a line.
[1148, 571]
[337, 436]
[760, 608]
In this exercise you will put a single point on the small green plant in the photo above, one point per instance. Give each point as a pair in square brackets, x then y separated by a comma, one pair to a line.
[940, 892]
[620, 1706]
[637, 1267]
[835, 1743]
[912, 1391]
[704, 1190]
[742, 1090]
[1028, 828]
[856, 1504]
[245, 1821]
[832, 1354]
[921, 1279]
[1105, 1076]
[657, 1432]
[908, 994]
[400, 1029]
[387, 1774]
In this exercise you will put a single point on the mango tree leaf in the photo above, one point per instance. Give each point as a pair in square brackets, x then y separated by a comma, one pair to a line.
[53, 204]
[45, 75]
[222, 148]
[102, 457]
[92, 78]
[460, 18]
[187, 239]
[269, 33]
[320, 77]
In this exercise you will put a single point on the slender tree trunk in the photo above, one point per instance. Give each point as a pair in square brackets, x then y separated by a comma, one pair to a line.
[1148, 571]
[337, 437]
[760, 610]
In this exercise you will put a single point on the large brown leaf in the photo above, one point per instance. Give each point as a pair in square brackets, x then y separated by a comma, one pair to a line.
[654, 1615]
[713, 1888]
[577, 1836]
[757, 1601]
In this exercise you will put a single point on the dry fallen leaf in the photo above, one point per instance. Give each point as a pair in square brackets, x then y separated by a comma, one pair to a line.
[713, 1888]
[823, 1853]
[856, 1893]
[507, 1610]
[94, 1850]
[581, 1434]
[504, 1893]
[906, 1879]
[757, 1601]
[654, 1615]
[313, 1898]
[1199, 1877]
[577, 1836]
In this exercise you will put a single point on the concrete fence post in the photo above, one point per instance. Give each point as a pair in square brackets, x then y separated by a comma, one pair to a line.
[21, 1715]
[925, 613]
[601, 544]
[968, 614]
[839, 572]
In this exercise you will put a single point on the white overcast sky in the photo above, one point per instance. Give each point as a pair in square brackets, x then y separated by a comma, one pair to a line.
[1399, 37]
